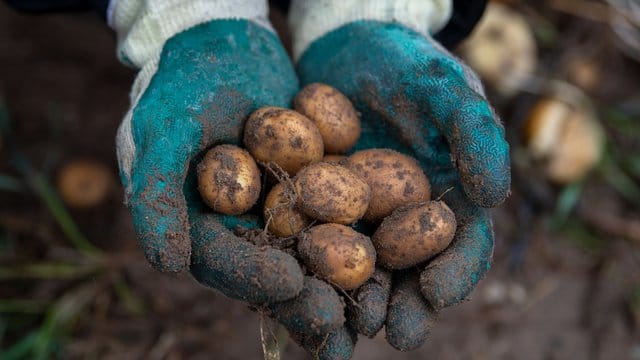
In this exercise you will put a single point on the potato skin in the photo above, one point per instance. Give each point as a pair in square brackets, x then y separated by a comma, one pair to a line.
[339, 254]
[332, 193]
[84, 183]
[334, 159]
[333, 114]
[229, 180]
[284, 137]
[395, 180]
[413, 234]
[281, 213]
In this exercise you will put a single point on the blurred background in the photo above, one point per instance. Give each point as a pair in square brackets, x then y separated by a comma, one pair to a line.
[563, 74]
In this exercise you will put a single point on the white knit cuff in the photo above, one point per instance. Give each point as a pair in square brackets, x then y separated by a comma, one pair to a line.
[143, 26]
[311, 19]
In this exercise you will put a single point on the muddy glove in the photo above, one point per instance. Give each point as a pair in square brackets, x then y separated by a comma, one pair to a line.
[205, 66]
[416, 98]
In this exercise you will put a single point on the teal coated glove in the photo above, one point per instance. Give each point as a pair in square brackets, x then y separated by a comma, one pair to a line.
[208, 80]
[416, 98]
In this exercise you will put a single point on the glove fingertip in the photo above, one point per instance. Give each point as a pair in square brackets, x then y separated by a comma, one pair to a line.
[241, 270]
[451, 277]
[409, 317]
[335, 345]
[367, 316]
[485, 175]
[316, 310]
[164, 240]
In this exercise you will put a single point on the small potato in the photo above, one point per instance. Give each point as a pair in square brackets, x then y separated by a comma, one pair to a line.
[229, 180]
[413, 234]
[84, 183]
[281, 213]
[332, 113]
[339, 254]
[332, 193]
[333, 159]
[395, 180]
[284, 137]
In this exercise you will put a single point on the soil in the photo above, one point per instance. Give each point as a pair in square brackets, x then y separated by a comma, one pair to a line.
[566, 294]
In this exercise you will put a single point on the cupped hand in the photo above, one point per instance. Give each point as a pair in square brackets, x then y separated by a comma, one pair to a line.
[208, 80]
[417, 98]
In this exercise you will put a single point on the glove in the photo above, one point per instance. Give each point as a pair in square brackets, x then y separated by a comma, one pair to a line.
[418, 99]
[202, 74]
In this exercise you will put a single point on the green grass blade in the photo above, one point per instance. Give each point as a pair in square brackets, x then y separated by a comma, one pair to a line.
[46, 270]
[24, 306]
[565, 204]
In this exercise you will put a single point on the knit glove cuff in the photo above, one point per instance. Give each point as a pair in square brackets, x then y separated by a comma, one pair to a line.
[310, 20]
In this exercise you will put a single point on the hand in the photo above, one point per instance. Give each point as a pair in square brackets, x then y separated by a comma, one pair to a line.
[208, 80]
[416, 98]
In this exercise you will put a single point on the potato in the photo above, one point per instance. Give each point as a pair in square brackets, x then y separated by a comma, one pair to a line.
[229, 179]
[280, 212]
[84, 183]
[413, 234]
[565, 139]
[332, 113]
[284, 137]
[502, 49]
[334, 159]
[395, 180]
[338, 254]
[332, 193]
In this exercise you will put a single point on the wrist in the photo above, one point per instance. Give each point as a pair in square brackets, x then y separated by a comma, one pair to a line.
[142, 27]
[310, 20]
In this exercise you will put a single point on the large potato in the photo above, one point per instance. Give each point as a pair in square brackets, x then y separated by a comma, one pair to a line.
[332, 193]
[332, 113]
[339, 254]
[414, 234]
[229, 180]
[395, 180]
[281, 213]
[284, 137]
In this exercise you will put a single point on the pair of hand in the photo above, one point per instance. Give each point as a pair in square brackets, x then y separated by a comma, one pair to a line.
[413, 96]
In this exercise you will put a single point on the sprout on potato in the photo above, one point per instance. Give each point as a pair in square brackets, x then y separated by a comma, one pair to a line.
[281, 214]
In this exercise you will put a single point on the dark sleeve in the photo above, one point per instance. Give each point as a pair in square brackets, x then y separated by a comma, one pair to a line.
[48, 6]
[466, 15]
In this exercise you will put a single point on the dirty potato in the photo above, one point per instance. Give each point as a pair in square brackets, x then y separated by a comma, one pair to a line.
[413, 234]
[284, 137]
[338, 254]
[395, 180]
[332, 113]
[229, 180]
[281, 213]
[334, 159]
[84, 183]
[332, 193]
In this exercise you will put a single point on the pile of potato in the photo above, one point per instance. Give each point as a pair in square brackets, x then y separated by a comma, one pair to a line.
[318, 197]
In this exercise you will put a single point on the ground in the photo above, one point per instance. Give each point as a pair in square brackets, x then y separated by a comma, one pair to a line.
[554, 292]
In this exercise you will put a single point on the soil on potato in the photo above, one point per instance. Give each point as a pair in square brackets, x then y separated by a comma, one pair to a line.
[547, 296]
